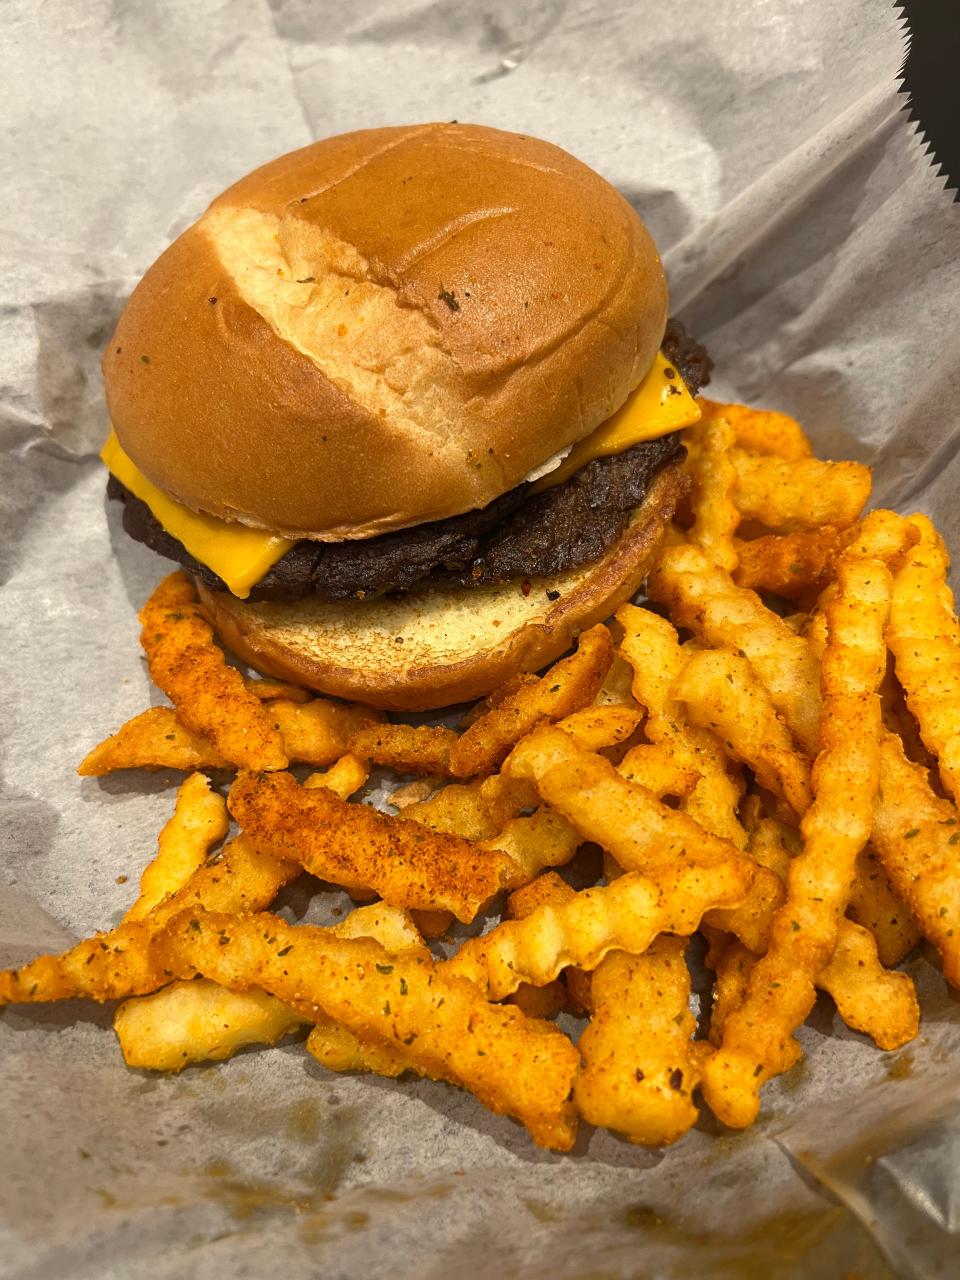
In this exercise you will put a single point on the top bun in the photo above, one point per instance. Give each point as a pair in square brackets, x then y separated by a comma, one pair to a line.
[384, 328]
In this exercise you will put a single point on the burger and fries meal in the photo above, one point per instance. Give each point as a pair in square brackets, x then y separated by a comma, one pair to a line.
[407, 409]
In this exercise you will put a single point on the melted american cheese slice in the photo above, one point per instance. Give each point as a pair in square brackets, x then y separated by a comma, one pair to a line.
[241, 556]
[659, 405]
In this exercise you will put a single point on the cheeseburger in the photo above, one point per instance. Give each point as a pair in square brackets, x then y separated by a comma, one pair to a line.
[407, 405]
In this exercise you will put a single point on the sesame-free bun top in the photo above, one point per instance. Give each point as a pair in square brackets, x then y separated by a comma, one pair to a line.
[384, 328]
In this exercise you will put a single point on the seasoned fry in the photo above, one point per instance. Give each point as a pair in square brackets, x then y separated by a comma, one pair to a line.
[660, 770]
[876, 905]
[715, 518]
[790, 564]
[198, 1022]
[800, 493]
[406, 748]
[120, 962]
[869, 998]
[722, 694]
[758, 1037]
[354, 845]
[515, 1065]
[639, 1072]
[733, 963]
[199, 821]
[624, 916]
[267, 690]
[211, 698]
[548, 1000]
[343, 778]
[651, 646]
[705, 599]
[339, 1049]
[569, 685]
[917, 837]
[761, 430]
[317, 733]
[598, 727]
[544, 839]
[924, 635]
[457, 809]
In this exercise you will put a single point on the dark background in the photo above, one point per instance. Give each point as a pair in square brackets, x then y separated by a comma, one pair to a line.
[931, 79]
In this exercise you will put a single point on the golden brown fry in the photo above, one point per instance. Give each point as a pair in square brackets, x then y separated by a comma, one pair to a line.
[596, 728]
[267, 690]
[705, 599]
[616, 688]
[354, 845]
[791, 564]
[568, 686]
[917, 837]
[548, 1000]
[651, 646]
[639, 1071]
[447, 1030]
[339, 1049]
[433, 924]
[924, 635]
[761, 430]
[457, 809]
[198, 1021]
[120, 962]
[343, 778]
[544, 839]
[733, 963]
[758, 1037]
[624, 916]
[406, 748]
[316, 733]
[722, 694]
[869, 998]
[660, 769]
[803, 493]
[210, 697]
[876, 905]
[715, 518]
[199, 821]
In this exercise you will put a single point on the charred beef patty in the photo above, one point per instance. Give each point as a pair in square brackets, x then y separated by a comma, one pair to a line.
[518, 535]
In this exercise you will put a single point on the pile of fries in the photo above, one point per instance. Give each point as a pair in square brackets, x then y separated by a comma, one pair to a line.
[767, 754]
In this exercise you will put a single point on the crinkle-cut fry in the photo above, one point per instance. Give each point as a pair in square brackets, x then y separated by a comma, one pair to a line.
[924, 635]
[715, 518]
[198, 1021]
[639, 1071]
[876, 905]
[354, 845]
[316, 732]
[344, 777]
[870, 998]
[761, 430]
[703, 598]
[722, 693]
[119, 963]
[199, 820]
[790, 564]
[758, 1040]
[624, 916]
[733, 964]
[339, 1049]
[572, 984]
[210, 697]
[544, 839]
[801, 493]
[267, 690]
[596, 728]
[568, 686]
[916, 834]
[406, 748]
[616, 688]
[659, 768]
[444, 1027]
[651, 646]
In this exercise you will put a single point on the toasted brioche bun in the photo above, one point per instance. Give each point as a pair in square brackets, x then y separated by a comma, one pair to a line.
[385, 328]
[433, 648]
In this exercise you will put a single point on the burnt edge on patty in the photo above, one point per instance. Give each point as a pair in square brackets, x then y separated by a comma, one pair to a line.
[518, 535]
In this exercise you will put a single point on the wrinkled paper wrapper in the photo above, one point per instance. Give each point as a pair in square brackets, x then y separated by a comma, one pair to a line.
[811, 246]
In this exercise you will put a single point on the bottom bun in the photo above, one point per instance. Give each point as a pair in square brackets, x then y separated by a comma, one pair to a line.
[432, 648]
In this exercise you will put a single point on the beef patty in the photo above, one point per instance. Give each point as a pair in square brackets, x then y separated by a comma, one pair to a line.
[517, 535]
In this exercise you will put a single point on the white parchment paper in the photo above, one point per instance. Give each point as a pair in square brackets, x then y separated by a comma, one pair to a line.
[809, 245]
